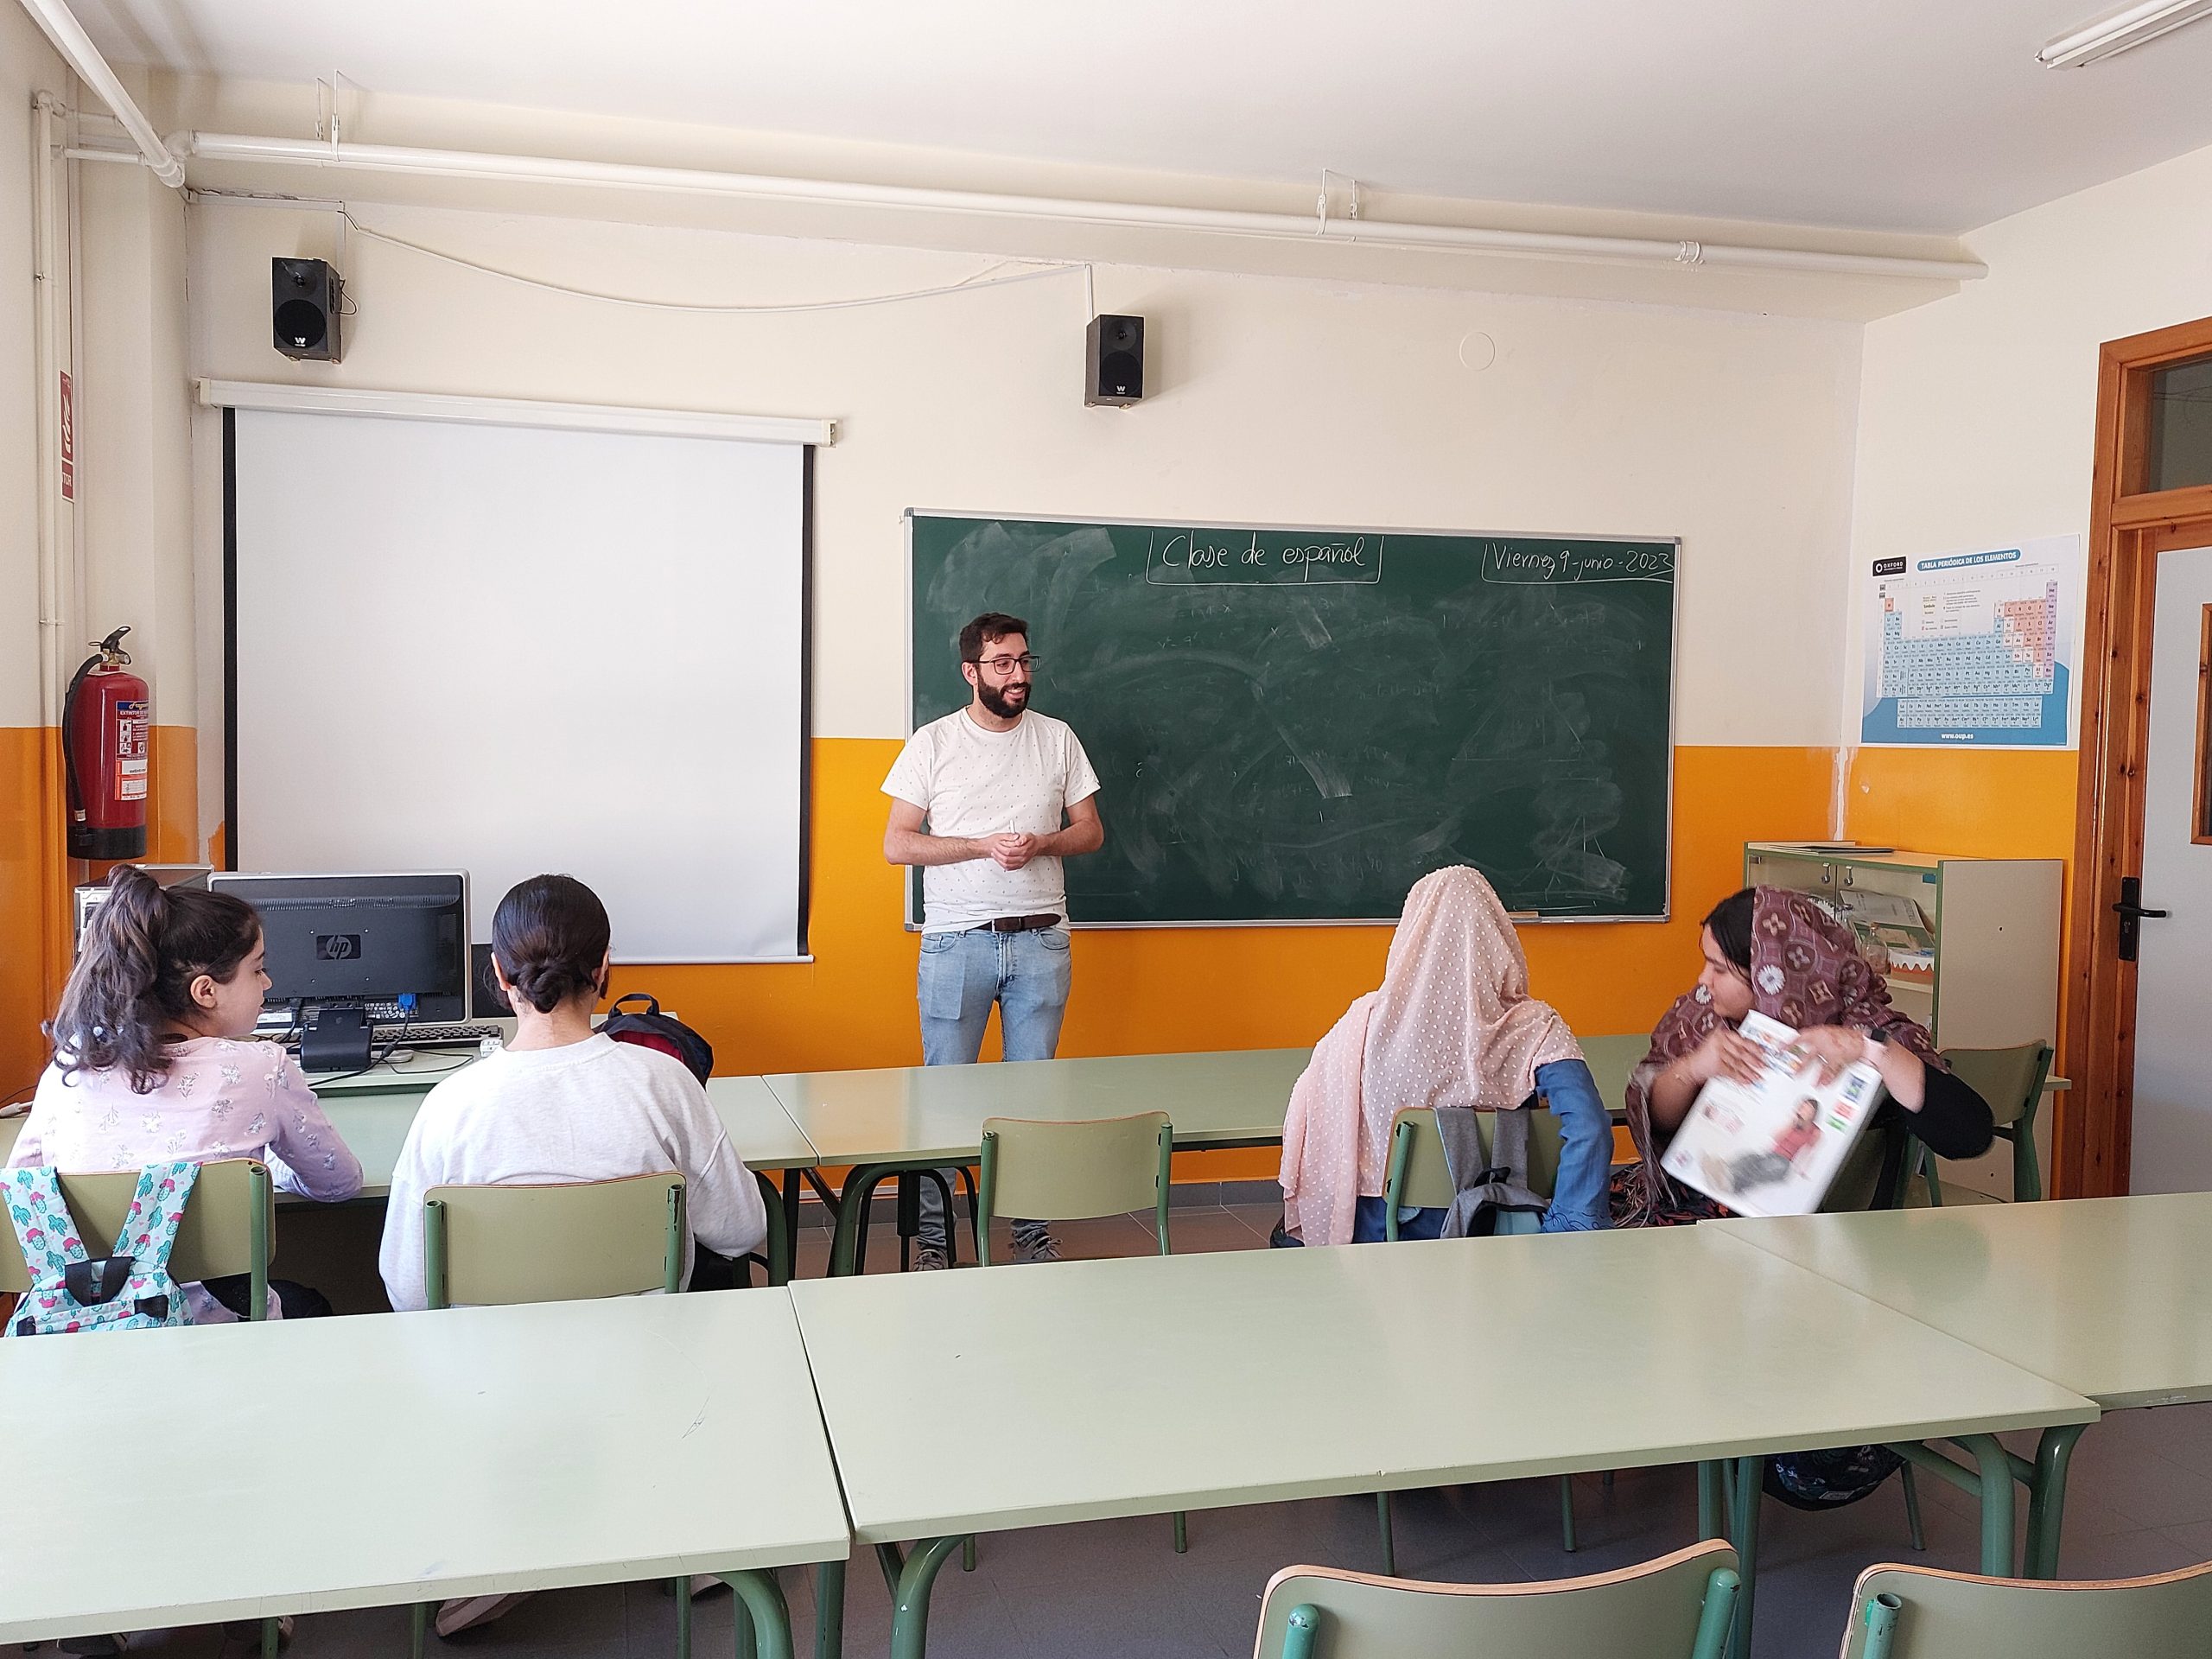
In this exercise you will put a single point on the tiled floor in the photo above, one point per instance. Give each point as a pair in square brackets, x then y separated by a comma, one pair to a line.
[2140, 1501]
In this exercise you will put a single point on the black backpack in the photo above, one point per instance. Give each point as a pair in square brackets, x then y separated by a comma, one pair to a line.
[664, 1032]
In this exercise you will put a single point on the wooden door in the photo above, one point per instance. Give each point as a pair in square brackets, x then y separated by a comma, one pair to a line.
[2153, 493]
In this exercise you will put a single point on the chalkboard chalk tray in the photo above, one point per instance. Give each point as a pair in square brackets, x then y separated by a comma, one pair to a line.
[1294, 725]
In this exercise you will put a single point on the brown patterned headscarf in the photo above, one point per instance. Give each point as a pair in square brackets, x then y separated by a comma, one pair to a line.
[1806, 971]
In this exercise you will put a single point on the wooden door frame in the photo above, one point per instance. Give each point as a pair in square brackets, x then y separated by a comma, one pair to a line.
[2129, 527]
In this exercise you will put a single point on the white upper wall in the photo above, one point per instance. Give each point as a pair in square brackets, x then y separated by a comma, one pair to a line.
[1977, 419]
[1272, 400]
[27, 65]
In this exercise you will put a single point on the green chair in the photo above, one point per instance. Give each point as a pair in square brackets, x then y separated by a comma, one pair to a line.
[1912, 1612]
[1077, 1170]
[228, 1222]
[1420, 1178]
[567, 1240]
[564, 1242]
[2011, 1080]
[1677, 1607]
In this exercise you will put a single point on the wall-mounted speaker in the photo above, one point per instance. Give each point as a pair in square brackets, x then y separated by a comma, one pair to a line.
[306, 297]
[1113, 360]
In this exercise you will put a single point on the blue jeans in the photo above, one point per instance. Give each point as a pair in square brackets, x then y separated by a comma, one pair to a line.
[960, 977]
[1585, 1163]
[1579, 1204]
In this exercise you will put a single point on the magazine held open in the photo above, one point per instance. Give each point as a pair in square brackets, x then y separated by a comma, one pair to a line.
[1772, 1148]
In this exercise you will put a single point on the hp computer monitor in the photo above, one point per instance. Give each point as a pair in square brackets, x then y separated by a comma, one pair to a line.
[362, 941]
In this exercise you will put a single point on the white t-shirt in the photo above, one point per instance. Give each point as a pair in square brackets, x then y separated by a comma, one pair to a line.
[587, 1111]
[971, 782]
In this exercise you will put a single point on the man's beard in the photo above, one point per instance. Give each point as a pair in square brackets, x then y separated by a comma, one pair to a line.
[999, 701]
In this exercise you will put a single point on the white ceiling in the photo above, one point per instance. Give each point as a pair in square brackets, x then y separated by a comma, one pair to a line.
[1896, 115]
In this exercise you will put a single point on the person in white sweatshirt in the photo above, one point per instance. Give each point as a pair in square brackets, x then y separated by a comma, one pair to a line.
[561, 1103]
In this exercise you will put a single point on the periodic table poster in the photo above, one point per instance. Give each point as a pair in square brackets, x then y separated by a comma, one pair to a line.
[1974, 648]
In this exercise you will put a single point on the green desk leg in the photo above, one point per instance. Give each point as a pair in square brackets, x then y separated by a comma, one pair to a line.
[1743, 1476]
[790, 1219]
[778, 1238]
[860, 1182]
[1709, 1501]
[1990, 1481]
[829, 1609]
[760, 1607]
[2046, 1505]
[911, 1577]
[1996, 1503]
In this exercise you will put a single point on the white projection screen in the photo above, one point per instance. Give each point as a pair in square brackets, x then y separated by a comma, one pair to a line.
[508, 649]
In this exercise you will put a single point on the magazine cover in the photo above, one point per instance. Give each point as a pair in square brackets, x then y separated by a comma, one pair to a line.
[1771, 1149]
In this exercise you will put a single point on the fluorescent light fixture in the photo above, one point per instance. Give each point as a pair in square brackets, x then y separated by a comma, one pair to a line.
[2131, 26]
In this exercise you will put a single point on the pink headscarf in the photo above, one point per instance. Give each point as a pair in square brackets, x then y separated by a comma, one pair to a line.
[1453, 1025]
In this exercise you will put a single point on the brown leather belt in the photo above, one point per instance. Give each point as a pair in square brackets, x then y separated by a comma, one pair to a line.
[1015, 924]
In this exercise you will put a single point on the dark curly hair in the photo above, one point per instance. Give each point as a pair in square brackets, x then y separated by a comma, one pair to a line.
[550, 936]
[132, 983]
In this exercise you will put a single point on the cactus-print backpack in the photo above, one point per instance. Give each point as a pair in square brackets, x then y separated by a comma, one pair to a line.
[128, 1289]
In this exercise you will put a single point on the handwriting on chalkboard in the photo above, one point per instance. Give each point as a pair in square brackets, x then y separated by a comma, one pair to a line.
[1541, 564]
[1260, 558]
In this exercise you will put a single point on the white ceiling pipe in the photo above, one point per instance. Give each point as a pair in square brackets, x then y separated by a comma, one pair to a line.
[76, 47]
[477, 165]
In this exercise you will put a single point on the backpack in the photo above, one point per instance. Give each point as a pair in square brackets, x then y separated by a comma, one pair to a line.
[128, 1289]
[654, 1029]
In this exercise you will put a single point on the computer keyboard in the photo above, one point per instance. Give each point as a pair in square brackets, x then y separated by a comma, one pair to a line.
[434, 1036]
[417, 1036]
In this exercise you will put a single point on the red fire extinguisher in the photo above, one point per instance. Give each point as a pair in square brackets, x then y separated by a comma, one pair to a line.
[104, 732]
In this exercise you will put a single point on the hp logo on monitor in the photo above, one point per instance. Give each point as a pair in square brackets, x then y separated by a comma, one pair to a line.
[337, 947]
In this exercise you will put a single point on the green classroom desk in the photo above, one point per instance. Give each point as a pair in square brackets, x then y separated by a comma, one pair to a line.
[2108, 1297]
[1145, 1385]
[898, 1118]
[472, 1450]
[374, 1112]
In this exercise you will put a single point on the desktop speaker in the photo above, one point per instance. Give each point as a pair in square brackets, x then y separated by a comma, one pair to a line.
[1112, 361]
[306, 297]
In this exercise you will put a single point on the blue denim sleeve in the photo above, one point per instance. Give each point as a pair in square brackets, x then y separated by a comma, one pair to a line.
[1586, 1156]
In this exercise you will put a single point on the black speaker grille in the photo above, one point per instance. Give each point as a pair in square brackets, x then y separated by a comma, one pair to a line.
[300, 322]
[1120, 374]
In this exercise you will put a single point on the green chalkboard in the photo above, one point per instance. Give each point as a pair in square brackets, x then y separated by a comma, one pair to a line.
[1295, 725]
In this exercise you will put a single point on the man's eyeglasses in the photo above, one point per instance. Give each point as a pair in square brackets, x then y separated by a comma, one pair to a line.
[1003, 665]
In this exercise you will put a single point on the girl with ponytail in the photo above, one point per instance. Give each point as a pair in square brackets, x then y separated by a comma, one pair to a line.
[153, 1060]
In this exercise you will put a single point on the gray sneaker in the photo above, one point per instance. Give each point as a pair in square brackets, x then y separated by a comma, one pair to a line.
[1043, 1247]
[928, 1258]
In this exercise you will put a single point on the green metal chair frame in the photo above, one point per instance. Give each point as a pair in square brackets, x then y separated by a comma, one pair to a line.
[1911, 1613]
[229, 1222]
[1680, 1606]
[564, 1241]
[1420, 1178]
[2012, 1080]
[1076, 1170]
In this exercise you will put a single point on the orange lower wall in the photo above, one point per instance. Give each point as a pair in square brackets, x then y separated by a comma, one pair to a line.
[1170, 989]
[1156, 991]
[34, 881]
[29, 902]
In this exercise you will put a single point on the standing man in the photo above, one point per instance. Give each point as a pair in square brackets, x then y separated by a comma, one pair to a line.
[1008, 793]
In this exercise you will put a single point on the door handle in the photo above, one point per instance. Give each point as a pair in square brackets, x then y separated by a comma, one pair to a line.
[2130, 912]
